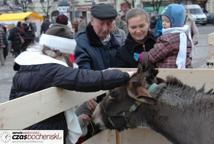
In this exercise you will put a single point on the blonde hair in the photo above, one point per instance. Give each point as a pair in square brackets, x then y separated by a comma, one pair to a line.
[56, 54]
[50, 52]
[136, 12]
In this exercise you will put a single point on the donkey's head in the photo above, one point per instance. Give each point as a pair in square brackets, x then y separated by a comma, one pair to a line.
[122, 107]
[141, 81]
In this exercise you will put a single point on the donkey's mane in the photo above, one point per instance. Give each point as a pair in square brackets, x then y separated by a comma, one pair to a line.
[173, 81]
[170, 80]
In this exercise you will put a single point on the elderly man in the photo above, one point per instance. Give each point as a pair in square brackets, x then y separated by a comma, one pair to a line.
[96, 45]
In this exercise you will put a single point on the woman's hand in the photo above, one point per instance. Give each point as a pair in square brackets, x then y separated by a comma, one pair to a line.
[91, 105]
[87, 107]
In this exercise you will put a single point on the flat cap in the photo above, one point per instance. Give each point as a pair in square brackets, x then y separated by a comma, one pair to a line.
[103, 11]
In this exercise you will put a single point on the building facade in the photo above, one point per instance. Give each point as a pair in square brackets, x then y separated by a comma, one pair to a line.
[77, 8]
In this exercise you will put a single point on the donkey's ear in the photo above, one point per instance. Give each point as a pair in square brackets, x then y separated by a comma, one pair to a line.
[135, 82]
[139, 68]
[152, 70]
[142, 67]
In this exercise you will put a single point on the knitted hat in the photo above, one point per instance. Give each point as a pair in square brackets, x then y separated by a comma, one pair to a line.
[176, 14]
[58, 37]
[62, 19]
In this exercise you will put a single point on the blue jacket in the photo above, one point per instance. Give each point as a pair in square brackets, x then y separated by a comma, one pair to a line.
[90, 53]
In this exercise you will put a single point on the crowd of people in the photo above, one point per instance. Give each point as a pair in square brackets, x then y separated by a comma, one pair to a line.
[79, 58]
[19, 37]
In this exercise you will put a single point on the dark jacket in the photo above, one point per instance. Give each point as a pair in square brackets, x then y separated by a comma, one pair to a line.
[124, 57]
[14, 37]
[90, 53]
[45, 25]
[33, 78]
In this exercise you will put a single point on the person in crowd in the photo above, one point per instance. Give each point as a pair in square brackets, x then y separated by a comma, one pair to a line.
[29, 33]
[46, 65]
[120, 22]
[2, 46]
[96, 45]
[82, 23]
[119, 35]
[62, 19]
[5, 50]
[173, 48]
[75, 26]
[193, 27]
[139, 38]
[45, 25]
[16, 39]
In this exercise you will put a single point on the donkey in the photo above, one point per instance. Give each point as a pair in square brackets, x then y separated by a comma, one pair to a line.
[179, 112]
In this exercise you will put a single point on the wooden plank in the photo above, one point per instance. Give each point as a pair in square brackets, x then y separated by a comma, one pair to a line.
[142, 136]
[192, 77]
[104, 137]
[28, 110]
[130, 136]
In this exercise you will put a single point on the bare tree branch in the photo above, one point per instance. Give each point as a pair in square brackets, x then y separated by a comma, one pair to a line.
[45, 5]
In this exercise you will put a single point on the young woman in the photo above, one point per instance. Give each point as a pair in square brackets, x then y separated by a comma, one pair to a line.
[139, 38]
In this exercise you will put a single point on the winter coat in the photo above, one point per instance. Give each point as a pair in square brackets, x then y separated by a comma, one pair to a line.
[45, 25]
[36, 72]
[124, 57]
[90, 53]
[165, 52]
[14, 37]
[119, 35]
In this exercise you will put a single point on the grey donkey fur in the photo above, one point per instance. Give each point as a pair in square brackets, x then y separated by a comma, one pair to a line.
[179, 112]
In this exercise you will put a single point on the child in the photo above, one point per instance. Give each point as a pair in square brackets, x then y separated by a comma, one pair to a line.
[173, 48]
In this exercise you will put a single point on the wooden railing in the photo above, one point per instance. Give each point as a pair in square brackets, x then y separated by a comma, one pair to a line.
[30, 109]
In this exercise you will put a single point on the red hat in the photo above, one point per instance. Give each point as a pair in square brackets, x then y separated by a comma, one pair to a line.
[62, 19]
